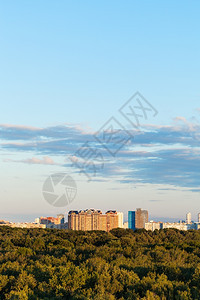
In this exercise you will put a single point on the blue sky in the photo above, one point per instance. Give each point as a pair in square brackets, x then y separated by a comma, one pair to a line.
[66, 68]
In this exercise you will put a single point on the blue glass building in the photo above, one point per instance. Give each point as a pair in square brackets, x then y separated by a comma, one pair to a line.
[131, 220]
[137, 219]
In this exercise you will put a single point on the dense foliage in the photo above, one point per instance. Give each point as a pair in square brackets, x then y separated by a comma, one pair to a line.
[122, 264]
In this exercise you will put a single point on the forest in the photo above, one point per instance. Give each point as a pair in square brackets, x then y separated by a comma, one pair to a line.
[121, 264]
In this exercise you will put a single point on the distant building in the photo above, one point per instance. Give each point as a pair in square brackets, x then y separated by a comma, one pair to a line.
[2, 222]
[153, 225]
[91, 219]
[197, 226]
[188, 218]
[125, 226]
[199, 218]
[52, 222]
[120, 219]
[22, 225]
[62, 218]
[179, 225]
[137, 219]
[131, 220]
[37, 220]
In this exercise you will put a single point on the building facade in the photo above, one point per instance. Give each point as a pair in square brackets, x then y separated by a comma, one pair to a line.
[179, 225]
[120, 219]
[188, 218]
[166, 225]
[52, 222]
[91, 219]
[131, 220]
[153, 225]
[198, 217]
[125, 225]
[137, 219]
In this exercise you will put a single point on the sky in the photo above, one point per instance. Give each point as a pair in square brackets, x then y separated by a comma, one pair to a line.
[67, 70]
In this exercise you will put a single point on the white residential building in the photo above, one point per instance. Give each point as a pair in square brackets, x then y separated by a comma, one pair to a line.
[120, 219]
[153, 225]
[188, 218]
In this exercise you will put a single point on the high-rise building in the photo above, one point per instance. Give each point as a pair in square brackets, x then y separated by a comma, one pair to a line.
[199, 218]
[131, 220]
[61, 217]
[188, 218]
[91, 219]
[73, 220]
[120, 219]
[137, 219]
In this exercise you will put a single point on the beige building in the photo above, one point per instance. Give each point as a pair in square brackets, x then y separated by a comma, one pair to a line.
[179, 225]
[141, 217]
[125, 225]
[21, 225]
[188, 218]
[153, 225]
[120, 219]
[91, 219]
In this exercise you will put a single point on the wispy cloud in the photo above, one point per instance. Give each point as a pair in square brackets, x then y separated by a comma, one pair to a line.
[162, 154]
[34, 160]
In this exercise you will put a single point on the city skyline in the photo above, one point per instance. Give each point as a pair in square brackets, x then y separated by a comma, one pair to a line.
[94, 219]
[123, 217]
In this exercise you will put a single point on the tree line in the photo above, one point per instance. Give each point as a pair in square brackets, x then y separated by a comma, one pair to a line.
[122, 264]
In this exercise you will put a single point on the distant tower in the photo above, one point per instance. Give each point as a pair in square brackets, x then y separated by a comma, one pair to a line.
[199, 218]
[120, 219]
[62, 218]
[137, 219]
[188, 218]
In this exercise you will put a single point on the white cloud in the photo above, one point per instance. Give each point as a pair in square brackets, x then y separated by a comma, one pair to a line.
[46, 160]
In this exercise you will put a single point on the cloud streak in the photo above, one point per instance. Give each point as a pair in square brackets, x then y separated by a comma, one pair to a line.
[164, 154]
[34, 160]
